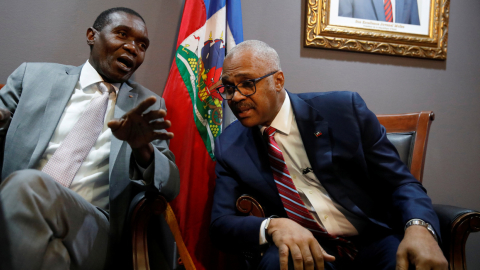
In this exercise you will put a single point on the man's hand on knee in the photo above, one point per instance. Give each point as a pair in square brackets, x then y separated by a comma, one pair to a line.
[292, 238]
[419, 248]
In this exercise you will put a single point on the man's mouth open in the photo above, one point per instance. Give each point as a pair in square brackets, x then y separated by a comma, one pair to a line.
[125, 63]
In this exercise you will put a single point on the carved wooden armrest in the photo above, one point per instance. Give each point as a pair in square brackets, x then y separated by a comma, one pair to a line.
[248, 205]
[143, 207]
[456, 225]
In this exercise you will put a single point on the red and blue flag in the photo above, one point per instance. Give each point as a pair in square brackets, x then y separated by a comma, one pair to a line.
[209, 28]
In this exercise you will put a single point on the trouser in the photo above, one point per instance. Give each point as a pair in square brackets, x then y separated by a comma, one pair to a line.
[47, 226]
[377, 254]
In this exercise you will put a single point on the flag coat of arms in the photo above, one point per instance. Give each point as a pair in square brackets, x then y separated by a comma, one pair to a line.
[208, 29]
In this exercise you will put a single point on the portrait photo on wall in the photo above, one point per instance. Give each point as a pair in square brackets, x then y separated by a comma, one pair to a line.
[414, 28]
[406, 16]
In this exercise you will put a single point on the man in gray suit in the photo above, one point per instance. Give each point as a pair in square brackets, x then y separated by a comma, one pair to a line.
[45, 225]
[404, 11]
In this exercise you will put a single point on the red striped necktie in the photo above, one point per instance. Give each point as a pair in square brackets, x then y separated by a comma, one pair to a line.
[388, 10]
[293, 204]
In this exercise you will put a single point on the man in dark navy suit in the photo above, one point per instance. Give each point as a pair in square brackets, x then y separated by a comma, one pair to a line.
[321, 164]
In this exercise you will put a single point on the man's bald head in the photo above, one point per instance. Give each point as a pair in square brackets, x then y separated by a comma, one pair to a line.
[260, 50]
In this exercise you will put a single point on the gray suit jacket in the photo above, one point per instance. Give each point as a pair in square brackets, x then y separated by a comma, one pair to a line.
[36, 94]
[406, 11]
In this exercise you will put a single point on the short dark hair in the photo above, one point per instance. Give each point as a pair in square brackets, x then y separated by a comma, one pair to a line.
[103, 18]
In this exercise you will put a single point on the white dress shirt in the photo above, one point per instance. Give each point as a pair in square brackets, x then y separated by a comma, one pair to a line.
[328, 213]
[393, 9]
[91, 181]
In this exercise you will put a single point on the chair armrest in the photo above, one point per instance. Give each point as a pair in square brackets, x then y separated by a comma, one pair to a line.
[456, 224]
[246, 204]
[143, 206]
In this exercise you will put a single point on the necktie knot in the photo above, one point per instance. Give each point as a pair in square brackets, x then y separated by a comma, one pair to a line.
[270, 131]
[105, 87]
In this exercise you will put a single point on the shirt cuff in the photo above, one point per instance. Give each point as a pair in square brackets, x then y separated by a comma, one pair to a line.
[263, 238]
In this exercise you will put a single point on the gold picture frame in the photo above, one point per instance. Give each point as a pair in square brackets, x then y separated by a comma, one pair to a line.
[327, 27]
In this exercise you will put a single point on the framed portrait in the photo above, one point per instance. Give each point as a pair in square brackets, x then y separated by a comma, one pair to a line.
[414, 28]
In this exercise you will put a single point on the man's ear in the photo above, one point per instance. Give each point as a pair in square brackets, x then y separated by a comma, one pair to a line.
[91, 36]
[279, 81]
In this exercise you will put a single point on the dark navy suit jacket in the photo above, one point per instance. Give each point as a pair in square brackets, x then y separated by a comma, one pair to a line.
[353, 160]
[406, 11]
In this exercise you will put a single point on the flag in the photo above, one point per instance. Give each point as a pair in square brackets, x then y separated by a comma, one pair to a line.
[208, 29]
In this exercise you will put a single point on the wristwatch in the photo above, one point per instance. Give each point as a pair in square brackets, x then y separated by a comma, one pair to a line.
[420, 222]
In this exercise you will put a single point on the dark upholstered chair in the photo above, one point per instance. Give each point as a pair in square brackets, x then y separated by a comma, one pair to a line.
[144, 207]
[409, 133]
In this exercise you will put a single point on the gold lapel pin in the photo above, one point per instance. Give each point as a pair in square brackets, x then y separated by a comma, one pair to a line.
[130, 96]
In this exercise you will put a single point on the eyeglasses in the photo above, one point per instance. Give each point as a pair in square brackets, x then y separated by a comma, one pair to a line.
[246, 88]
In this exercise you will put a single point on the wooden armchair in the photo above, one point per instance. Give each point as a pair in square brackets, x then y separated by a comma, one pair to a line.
[409, 133]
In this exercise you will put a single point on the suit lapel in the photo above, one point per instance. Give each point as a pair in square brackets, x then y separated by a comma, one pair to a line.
[126, 100]
[317, 147]
[379, 9]
[58, 98]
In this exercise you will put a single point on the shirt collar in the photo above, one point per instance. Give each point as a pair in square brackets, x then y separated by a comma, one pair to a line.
[283, 119]
[89, 76]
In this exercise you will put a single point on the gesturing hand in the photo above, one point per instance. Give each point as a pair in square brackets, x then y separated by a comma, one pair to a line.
[139, 129]
[290, 237]
[419, 248]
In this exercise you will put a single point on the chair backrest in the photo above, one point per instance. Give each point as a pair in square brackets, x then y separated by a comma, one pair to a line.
[409, 134]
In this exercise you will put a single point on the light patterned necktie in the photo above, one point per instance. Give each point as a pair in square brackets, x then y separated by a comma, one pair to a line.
[387, 4]
[293, 204]
[65, 162]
